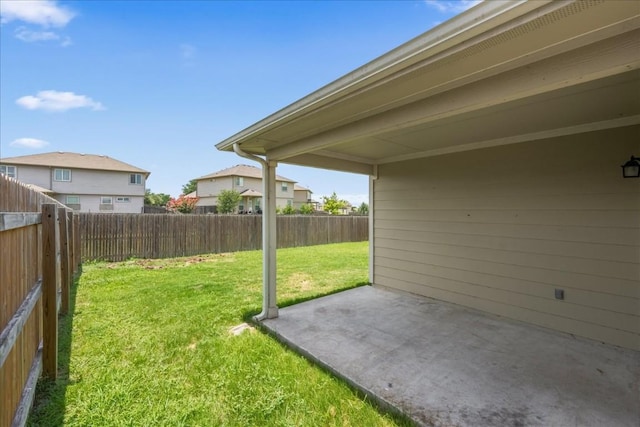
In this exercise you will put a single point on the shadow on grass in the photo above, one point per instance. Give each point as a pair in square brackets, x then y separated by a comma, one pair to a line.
[49, 403]
[383, 406]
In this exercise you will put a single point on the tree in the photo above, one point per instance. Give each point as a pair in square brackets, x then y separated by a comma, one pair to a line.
[155, 199]
[306, 209]
[182, 204]
[332, 204]
[190, 187]
[288, 210]
[228, 201]
[363, 209]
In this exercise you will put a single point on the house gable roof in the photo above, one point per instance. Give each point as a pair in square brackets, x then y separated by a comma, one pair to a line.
[73, 161]
[499, 73]
[246, 171]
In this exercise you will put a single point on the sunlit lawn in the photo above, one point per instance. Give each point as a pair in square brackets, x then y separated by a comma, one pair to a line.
[150, 346]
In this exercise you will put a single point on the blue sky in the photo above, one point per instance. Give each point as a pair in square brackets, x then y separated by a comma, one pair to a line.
[158, 83]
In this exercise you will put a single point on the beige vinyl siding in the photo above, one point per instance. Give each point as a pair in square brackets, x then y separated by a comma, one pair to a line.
[91, 203]
[37, 175]
[208, 189]
[97, 182]
[500, 229]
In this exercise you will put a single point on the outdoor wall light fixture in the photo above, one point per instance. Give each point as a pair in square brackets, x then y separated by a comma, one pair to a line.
[631, 169]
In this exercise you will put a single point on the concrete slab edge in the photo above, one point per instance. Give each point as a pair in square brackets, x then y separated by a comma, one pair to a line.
[382, 404]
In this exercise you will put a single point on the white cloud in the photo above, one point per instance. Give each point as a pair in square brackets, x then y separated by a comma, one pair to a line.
[30, 36]
[455, 6]
[46, 13]
[51, 100]
[29, 143]
[26, 35]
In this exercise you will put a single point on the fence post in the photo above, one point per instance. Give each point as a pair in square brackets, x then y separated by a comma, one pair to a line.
[72, 245]
[65, 273]
[77, 252]
[50, 280]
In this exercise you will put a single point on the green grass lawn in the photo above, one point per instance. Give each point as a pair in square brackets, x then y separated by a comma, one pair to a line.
[149, 345]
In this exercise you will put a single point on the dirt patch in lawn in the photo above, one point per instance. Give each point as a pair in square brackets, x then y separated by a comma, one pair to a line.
[158, 264]
[300, 281]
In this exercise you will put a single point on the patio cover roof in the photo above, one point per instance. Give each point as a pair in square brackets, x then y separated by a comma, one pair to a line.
[500, 73]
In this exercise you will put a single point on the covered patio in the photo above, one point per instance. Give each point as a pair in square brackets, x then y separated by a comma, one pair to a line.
[446, 365]
[499, 215]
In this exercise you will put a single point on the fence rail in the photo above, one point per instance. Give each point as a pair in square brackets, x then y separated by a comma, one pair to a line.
[117, 237]
[39, 245]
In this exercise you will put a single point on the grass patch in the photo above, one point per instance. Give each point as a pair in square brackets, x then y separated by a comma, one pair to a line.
[150, 345]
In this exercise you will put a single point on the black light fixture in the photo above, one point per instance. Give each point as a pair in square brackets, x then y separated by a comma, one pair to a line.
[631, 169]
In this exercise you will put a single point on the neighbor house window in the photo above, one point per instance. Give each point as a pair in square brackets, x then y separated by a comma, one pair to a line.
[123, 200]
[106, 200]
[285, 187]
[239, 181]
[135, 178]
[73, 200]
[62, 175]
[9, 171]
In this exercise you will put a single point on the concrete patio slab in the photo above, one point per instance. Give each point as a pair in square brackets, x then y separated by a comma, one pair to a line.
[446, 365]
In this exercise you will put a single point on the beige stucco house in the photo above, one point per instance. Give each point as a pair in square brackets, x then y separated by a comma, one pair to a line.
[84, 182]
[493, 144]
[245, 179]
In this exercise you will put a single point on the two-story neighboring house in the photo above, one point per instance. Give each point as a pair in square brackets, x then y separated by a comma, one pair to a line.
[302, 196]
[84, 182]
[246, 180]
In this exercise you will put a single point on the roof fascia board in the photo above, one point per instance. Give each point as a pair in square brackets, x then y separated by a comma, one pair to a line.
[483, 17]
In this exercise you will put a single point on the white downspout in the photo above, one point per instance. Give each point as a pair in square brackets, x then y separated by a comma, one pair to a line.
[269, 305]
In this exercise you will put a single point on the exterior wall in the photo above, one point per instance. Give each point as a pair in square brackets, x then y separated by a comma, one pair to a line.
[40, 176]
[91, 203]
[500, 229]
[301, 197]
[208, 189]
[106, 183]
[284, 198]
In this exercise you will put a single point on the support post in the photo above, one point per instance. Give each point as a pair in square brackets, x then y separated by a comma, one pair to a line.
[65, 264]
[270, 243]
[50, 281]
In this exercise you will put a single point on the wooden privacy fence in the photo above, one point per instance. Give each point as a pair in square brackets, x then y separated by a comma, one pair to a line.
[39, 242]
[117, 237]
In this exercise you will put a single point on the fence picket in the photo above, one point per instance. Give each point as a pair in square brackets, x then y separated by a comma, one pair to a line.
[23, 238]
[116, 237]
